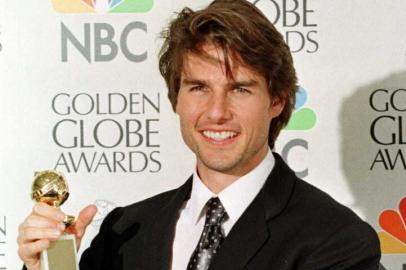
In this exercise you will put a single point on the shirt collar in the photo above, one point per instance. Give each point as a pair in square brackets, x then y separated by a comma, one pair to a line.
[237, 196]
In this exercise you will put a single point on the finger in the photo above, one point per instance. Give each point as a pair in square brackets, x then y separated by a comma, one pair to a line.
[44, 210]
[30, 234]
[84, 219]
[40, 222]
[29, 252]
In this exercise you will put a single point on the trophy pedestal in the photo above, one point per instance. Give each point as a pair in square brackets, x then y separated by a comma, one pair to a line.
[61, 255]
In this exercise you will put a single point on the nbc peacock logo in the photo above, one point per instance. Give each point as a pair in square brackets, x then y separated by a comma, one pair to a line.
[393, 236]
[302, 118]
[102, 6]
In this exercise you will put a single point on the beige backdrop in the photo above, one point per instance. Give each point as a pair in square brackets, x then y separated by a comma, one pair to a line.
[80, 91]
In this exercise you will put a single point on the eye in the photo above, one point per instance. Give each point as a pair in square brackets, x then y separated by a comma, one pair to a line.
[241, 90]
[197, 88]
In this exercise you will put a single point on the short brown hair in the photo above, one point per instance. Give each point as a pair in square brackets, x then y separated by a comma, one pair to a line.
[241, 31]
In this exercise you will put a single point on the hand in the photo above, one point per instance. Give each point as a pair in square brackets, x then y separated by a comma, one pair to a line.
[45, 224]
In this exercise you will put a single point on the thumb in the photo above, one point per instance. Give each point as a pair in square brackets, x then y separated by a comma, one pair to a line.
[84, 219]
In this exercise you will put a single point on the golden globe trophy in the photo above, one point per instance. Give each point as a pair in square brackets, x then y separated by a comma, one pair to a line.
[51, 187]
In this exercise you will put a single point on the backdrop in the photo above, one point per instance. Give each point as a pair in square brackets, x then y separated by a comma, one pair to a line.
[80, 92]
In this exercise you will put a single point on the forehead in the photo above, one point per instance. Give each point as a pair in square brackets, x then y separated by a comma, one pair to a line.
[211, 58]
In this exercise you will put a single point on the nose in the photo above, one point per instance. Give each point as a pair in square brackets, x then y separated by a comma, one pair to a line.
[218, 108]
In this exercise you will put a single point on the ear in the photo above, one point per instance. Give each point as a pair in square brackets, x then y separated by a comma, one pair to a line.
[277, 105]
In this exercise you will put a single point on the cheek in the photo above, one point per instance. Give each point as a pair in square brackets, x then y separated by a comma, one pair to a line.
[187, 116]
[255, 122]
[258, 120]
[189, 110]
[257, 112]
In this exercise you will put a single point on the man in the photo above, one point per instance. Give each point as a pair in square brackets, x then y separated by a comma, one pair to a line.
[231, 81]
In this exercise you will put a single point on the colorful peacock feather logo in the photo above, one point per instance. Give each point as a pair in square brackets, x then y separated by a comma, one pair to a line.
[393, 236]
[102, 6]
[302, 118]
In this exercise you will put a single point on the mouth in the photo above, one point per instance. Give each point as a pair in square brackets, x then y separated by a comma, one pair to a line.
[219, 136]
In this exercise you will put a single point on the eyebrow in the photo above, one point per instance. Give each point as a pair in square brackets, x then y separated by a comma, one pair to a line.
[248, 83]
[192, 82]
[232, 84]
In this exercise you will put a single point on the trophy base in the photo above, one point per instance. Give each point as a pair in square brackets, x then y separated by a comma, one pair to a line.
[61, 255]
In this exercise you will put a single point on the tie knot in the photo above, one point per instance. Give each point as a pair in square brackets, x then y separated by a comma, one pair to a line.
[216, 213]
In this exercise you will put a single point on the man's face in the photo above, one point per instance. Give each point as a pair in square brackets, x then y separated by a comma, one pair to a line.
[224, 121]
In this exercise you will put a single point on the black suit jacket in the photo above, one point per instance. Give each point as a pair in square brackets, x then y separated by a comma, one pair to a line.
[289, 225]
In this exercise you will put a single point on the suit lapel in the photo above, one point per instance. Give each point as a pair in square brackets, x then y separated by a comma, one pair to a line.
[244, 240]
[251, 231]
[278, 188]
[157, 254]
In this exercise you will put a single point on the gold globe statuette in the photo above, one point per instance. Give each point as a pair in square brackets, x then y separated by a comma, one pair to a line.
[51, 187]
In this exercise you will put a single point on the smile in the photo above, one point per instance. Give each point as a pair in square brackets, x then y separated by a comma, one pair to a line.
[219, 135]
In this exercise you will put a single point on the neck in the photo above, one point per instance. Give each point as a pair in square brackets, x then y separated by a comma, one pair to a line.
[217, 181]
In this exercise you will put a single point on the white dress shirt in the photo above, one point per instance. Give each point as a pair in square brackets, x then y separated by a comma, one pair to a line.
[235, 199]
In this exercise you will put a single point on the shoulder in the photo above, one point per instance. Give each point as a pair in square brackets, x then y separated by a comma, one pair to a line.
[325, 216]
[118, 227]
[120, 218]
[326, 231]
[320, 205]
[150, 204]
[320, 213]
[336, 236]
[308, 204]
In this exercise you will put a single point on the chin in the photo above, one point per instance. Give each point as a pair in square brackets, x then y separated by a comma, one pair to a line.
[223, 168]
[220, 164]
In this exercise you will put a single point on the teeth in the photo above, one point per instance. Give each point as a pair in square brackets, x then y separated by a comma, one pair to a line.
[219, 136]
